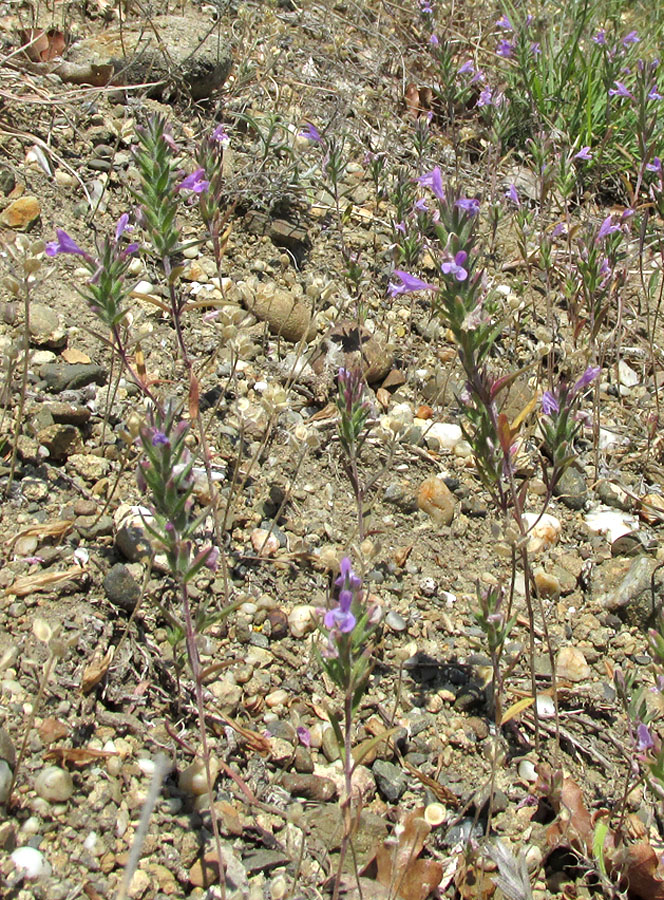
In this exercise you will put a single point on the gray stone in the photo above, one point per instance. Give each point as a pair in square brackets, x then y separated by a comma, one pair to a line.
[632, 599]
[66, 413]
[571, 489]
[5, 781]
[121, 588]
[310, 787]
[69, 376]
[395, 621]
[330, 746]
[7, 749]
[91, 527]
[181, 51]
[390, 780]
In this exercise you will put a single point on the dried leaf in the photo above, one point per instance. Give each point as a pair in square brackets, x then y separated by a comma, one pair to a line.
[399, 867]
[43, 581]
[640, 865]
[516, 708]
[43, 530]
[52, 729]
[96, 670]
[401, 555]
[412, 98]
[43, 46]
[77, 756]
[442, 793]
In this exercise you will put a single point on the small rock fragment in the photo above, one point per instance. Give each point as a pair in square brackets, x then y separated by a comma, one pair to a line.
[544, 531]
[390, 779]
[5, 781]
[571, 489]
[264, 542]
[46, 329]
[571, 665]
[22, 214]
[61, 441]
[302, 620]
[436, 500]
[193, 779]
[310, 787]
[443, 436]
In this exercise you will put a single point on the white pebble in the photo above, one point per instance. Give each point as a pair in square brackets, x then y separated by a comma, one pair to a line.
[443, 436]
[31, 862]
[193, 779]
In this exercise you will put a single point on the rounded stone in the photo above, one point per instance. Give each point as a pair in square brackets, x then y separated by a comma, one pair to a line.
[54, 784]
[436, 500]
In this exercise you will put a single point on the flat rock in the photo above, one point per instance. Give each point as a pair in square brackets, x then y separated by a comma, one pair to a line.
[67, 413]
[571, 489]
[632, 596]
[89, 466]
[183, 52]
[60, 441]
[22, 214]
[69, 377]
[46, 329]
[571, 665]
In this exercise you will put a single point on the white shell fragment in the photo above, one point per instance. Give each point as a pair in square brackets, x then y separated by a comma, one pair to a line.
[611, 522]
[31, 862]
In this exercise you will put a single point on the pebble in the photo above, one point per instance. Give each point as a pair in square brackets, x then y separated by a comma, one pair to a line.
[302, 620]
[265, 543]
[71, 376]
[548, 585]
[227, 693]
[66, 413]
[395, 621]
[31, 862]
[571, 665]
[310, 787]
[571, 489]
[390, 779]
[54, 784]
[5, 780]
[544, 531]
[122, 588]
[285, 315]
[330, 746]
[632, 596]
[443, 436]
[363, 786]
[193, 779]
[89, 466]
[276, 698]
[61, 441]
[436, 500]
[46, 329]
[7, 749]
[22, 214]
[611, 522]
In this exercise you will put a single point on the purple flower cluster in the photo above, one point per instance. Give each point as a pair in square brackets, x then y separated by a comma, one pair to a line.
[340, 620]
[551, 400]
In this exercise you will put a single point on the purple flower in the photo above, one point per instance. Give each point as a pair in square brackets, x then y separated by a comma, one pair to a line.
[644, 738]
[584, 153]
[605, 229]
[470, 205]
[421, 205]
[311, 133]
[620, 91]
[654, 94]
[433, 40]
[505, 49]
[466, 69]
[409, 283]
[433, 180]
[219, 134]
[456, 267]
[513, 195]
[159, 439]
[655, 165]
[550, 403]
[535, 48]
[168, 140]
[347, 578]
[589, 375]
[195, 182]
[485, 98]
[631, 38]
[122, 226]
[341, 620]
[63, 244]
[600, 37]
[505, 23]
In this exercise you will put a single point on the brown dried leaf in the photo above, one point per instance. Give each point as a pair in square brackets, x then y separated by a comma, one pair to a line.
[96, 670]
[412, 98]
[52, 729]
[72, 355]
[43, 581]
[442, 793]
[43, 46]
[77, 756]
[640, 865]
[399, 868]
[401, 555]
[43, 530]
[573, 825]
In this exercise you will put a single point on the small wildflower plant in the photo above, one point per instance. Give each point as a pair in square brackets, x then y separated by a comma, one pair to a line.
[353, 426]
[346, 658]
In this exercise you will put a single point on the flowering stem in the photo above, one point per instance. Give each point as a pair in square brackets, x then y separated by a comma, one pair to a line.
[346, 805]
